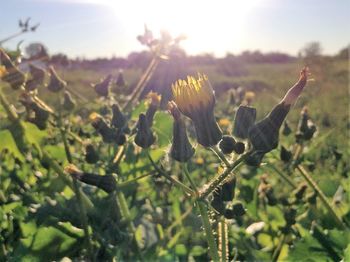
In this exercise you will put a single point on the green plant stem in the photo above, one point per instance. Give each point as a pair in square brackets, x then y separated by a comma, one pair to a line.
[217, 180]
[283, 176]
[220, 155]
[208, 231]
[223, 239]
[188, 176]
[124, 210]
[170, 178]
[204, 216]
[277, 251]
[77, 191]
[322, 196]
[131, 181]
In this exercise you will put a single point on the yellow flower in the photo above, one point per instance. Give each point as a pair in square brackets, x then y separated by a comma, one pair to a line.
[2, 71]
[249, 97]
[195, 99]
[199, 160]
[224, 122]
[154, 98]
[193, 94]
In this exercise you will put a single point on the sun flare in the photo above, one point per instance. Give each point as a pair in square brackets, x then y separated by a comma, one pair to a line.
[208, 25]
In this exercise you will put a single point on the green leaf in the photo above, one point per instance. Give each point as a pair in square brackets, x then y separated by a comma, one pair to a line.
[8, 143]
[198, 251]
[180, 249]
[48, 243]
[163, 126]
[33, 134]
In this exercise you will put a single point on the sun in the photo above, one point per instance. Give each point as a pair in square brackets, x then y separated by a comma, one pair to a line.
[208, 25]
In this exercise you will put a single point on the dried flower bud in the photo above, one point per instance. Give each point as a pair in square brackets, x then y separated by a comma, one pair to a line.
[232, 97]
[102, 88]
[227, 144]
[285, 154]
[68, 101]
[41, 116]
[106, 182]
[290, 215]
[56, 84]
[244, 119]
[120, 82]
[91, 155]
[12, 75]
[153, 106]
[312, 198]
[37, 73]
[144, 136]
[109, 135]
[118, 119]
[306, 128]
[181, 149]
[300, 191]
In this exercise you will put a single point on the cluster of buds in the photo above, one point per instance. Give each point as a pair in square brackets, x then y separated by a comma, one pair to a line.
[25, 25]
[264, 135]
[223, 202]
[108, 133]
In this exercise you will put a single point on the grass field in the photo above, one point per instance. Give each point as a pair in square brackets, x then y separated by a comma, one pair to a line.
[49, 212]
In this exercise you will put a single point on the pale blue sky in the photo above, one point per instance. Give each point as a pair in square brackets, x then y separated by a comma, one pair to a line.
[103, 28]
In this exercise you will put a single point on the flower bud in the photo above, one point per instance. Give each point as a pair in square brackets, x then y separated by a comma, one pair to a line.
[56, 84]
[68, 101]
[285, 154]
[13, 75]
[264, 134]
[238, 209]
[102, 88]
[106, 182]
[228, 189]
[244, 119]
[144, 136]
[181, 150]
[118, 119]
[286, 129]
[195, 99]
[227, 144]
[91, 155]
[41, 116]
[239, 148]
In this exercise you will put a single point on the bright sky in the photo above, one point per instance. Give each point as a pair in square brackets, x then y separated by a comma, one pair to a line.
[101, 28]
